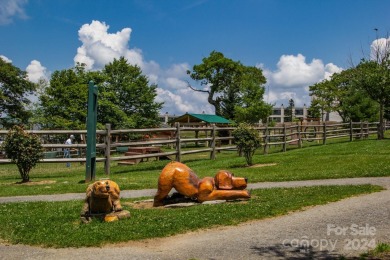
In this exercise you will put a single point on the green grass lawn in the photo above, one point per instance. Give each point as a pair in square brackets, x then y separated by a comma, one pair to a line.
[337, 160]
[57, 224]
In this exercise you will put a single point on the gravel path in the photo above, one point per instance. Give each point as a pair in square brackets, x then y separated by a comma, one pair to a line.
[347, 227]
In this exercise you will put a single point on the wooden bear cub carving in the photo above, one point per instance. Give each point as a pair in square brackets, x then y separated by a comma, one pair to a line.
[102, 197]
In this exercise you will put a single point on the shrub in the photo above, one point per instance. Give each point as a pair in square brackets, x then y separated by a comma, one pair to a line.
[247, 140]
[24, 149]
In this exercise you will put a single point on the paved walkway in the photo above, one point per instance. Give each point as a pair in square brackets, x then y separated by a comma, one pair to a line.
[347, 227]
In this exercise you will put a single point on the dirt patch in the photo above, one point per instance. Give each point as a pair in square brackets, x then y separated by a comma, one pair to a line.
[148, 204]
[30, 183]
[144, 204]
[262, 165]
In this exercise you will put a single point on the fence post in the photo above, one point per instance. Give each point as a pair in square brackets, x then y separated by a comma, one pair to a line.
[107, 154]
[284, 137]
[299, 135]
[266, 140]
[178, 144]
[366, 129]
[90, 172]
[324, 134]
[350, 131]
[212, 145]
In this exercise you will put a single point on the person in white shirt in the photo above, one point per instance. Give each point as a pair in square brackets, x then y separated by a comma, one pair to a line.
[67, 150]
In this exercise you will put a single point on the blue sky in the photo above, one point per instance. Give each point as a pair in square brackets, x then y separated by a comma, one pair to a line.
[296, 42]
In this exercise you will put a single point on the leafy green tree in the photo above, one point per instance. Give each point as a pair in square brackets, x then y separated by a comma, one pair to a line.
[314, 111]
[231, 85]
[289, 111]
[341, 94]
[247, 140]
[25, 150]
[64, 101]
[353, 103]
[14, 88]
[125, 98]
[324, 97]
[250, 107]
[128, 95]
[374, 78]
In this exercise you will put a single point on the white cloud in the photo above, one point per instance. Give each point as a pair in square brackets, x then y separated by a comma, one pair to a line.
[100, 47]
[176, 83]
[10, 9]
[5, 59]
[293, 77]
[293, 71]
[183, 101]
[380, 48]
[330, 69]
[35, 71]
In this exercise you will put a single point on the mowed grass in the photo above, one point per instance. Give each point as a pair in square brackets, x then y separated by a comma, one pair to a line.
[362, 158]
[57, 224]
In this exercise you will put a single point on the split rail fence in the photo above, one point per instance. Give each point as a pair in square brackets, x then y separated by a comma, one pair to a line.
[210, 139]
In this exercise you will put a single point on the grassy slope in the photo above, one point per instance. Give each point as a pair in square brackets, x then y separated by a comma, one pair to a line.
[340, 160]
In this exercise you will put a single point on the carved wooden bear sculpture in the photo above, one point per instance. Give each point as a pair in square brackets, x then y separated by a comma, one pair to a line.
[101, 197]
[179, 176]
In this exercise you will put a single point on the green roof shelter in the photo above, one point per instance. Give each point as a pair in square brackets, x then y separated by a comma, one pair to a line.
[201, 120]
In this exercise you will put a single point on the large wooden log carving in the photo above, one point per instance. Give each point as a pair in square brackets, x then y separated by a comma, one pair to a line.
[224, 186]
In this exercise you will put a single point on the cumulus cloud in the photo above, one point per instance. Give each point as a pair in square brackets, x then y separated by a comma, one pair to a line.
[380, 48]
[100, 47]
[184, 101]
[10, 9]
[35, 71]
[331, 69]
[5, 59]
[293, 71]
[292, 78]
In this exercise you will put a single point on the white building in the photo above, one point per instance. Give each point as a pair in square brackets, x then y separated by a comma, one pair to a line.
[281, 115]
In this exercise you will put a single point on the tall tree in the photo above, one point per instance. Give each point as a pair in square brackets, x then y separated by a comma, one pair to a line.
[230, 86]
[14, 89]
[289, 111]
[125, 98]
[374, 78]
[129, 91]
[341, 94]
[251, 108]
[64, 101]
[221, 75]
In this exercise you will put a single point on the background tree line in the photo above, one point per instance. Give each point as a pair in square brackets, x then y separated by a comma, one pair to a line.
[126, 99]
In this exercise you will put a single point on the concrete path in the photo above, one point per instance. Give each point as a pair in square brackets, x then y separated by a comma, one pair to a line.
[348, 227]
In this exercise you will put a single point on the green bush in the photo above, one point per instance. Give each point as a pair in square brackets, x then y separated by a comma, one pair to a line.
[24, 149]
[247, 140]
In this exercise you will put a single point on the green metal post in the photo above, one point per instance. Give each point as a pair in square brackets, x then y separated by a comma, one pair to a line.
[91, 132]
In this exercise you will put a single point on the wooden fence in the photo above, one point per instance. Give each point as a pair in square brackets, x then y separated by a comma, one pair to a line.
[205, 139]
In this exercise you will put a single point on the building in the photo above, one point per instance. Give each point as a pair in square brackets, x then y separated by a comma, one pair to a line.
[166, 118]
[282, 115]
